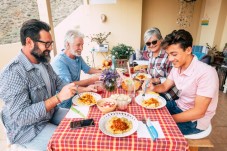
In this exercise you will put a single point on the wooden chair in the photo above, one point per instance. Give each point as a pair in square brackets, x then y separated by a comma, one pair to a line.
[196, 141]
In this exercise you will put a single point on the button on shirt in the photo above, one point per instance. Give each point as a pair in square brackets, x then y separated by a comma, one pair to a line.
[24, 91]
[198, 79]
[69, 69]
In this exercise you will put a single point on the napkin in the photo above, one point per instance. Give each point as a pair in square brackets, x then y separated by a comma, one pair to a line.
[142, 131]
[83, 109]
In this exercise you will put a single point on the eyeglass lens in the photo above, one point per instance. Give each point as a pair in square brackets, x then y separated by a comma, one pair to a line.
[47, 44]
[154, 42]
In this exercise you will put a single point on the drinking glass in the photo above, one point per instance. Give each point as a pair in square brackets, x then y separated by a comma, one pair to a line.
[130, 88]
[99, 87]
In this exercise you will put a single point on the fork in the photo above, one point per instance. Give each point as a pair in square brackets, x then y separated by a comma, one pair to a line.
[149, 129]
[145, 89]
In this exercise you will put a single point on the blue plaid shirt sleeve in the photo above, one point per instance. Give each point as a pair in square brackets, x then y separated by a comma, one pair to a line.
[15, 94]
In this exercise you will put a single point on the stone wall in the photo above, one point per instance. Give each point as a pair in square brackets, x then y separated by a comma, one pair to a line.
[14, 12]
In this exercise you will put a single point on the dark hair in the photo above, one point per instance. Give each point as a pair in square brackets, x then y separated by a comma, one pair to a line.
[182, 37]
[31, 28]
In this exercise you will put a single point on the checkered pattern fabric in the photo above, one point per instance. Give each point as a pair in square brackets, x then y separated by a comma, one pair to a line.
[91, 138]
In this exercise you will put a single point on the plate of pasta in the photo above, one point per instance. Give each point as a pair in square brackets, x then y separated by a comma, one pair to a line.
[141, 76]
[118, 124]
[150, 101]
[86, 99]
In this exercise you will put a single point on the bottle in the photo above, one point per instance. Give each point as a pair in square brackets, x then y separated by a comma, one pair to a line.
[113, 66]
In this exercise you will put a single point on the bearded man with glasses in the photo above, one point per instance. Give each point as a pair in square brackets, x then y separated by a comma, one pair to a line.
[28, 89]
[159, 66]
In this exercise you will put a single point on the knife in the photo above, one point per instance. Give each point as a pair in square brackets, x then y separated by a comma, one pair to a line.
[78, 112]
[152, 129]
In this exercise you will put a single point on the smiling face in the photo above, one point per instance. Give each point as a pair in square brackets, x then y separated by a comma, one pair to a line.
[154, 47]
[179, 57]
[77, 46]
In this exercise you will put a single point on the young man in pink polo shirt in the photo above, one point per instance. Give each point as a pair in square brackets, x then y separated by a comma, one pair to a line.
[196, 81]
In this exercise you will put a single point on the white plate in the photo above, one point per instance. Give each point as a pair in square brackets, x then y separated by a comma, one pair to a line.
[141, 62]
[95, 95]
[161, 100]
[147, 76]
[104, 119]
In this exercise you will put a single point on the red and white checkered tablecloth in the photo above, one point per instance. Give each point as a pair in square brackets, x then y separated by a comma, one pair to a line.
[91, 138]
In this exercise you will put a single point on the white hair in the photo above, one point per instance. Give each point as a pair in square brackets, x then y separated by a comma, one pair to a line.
[151, 32]
[71, 35]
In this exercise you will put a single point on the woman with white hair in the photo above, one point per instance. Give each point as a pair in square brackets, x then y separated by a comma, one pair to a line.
[159, 66]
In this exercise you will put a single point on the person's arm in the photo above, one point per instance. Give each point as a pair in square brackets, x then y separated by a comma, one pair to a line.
[199, 110]
[93, 71]
[88, 81]
[67, 92]
[206, 91]
[160, 88]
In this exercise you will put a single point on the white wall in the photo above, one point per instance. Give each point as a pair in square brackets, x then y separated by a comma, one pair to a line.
[8, 52]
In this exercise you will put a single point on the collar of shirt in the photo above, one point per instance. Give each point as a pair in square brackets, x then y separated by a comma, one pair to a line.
[190, 68]
[26, 62]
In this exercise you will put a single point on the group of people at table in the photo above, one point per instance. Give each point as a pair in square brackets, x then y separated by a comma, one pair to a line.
[37, 94]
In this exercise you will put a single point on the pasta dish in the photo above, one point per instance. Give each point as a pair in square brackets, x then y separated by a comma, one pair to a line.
[119, 125]
[150, 103]
[86, 99]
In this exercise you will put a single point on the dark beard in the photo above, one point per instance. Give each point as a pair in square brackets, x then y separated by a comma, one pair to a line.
[40, 57]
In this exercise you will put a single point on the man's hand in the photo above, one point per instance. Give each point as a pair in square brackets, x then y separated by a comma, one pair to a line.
[95, 78]
[150, 85]
[91, 88]
[67, 91]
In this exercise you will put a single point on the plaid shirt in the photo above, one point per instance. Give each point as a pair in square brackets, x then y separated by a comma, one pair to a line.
[160, 67]
[23, 90]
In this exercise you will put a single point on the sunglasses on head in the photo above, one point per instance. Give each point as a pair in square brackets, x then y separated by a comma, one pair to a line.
[154, 42]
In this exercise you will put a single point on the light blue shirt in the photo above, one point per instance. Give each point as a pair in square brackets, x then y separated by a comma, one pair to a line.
[69, 69]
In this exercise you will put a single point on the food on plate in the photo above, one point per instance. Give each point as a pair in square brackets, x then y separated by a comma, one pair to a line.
[106, 105]
[151, 103]
[86, 99]
[140, 67]
[125, 87]
[141, 76]
[118, 125]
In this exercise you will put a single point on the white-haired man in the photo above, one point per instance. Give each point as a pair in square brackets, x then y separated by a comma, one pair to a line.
[69, 63]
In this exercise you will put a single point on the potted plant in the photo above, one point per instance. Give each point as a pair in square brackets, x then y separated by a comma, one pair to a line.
[100, 40]
[122, 53]
[216, 56]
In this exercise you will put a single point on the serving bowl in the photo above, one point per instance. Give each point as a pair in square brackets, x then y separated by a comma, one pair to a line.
[106, 105]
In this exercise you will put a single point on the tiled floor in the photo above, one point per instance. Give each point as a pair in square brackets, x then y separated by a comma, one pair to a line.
[218, 135]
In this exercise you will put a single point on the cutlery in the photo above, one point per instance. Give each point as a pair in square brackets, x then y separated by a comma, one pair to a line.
[145, 89]
[78, 112]
[152, 128]
[152, 131]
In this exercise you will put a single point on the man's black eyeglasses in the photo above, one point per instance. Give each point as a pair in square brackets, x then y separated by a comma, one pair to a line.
[154, 42]
[47, 44]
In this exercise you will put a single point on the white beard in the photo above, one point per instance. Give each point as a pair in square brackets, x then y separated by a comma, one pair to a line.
[75, 53]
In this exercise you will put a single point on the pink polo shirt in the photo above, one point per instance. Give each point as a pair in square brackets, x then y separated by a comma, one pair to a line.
[198, 79]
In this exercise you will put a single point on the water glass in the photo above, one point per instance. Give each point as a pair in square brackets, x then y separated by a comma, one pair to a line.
[122, 105]
[99, 87]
